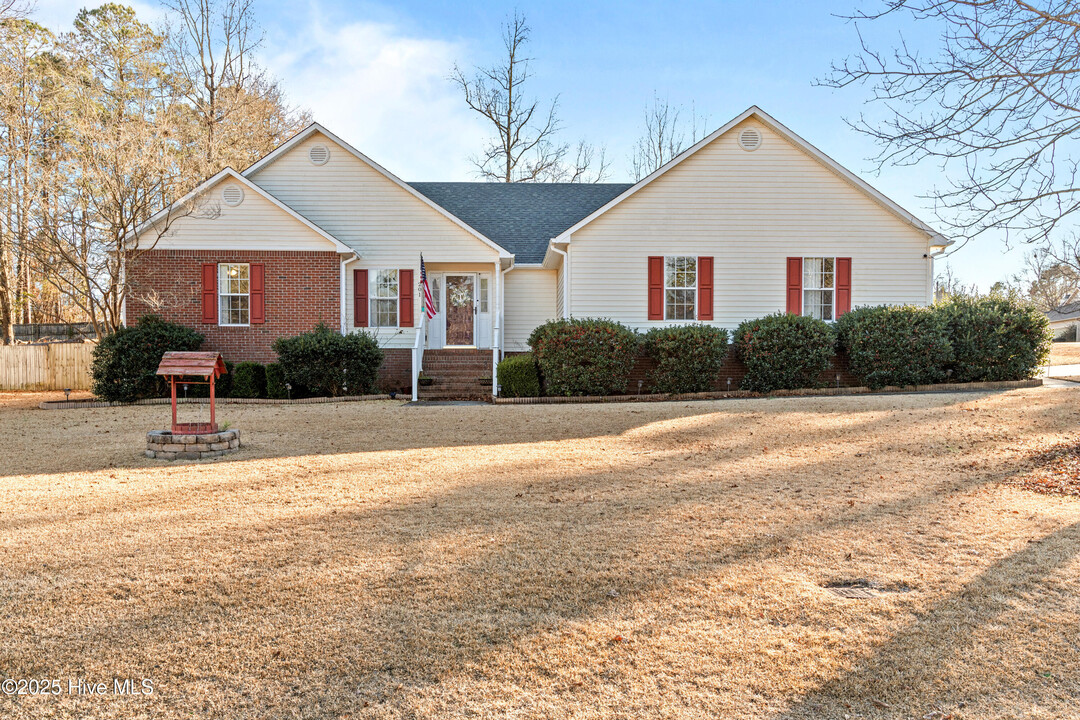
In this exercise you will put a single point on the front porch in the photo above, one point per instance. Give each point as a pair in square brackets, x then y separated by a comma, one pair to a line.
[456, 351]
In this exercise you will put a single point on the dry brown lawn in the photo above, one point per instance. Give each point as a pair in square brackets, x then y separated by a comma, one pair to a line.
[631, 561]
[1064, 354]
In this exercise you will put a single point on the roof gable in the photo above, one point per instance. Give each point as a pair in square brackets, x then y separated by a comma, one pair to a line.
[314, 128]
[177, 211]
[761, 116]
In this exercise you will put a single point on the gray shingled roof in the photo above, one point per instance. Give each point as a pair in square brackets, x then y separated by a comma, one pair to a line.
[1065, 312]
[521, 217]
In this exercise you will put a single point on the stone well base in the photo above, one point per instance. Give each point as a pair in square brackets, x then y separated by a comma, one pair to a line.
[162, 444]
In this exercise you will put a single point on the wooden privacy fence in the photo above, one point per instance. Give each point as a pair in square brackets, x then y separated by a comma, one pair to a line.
[51, 366]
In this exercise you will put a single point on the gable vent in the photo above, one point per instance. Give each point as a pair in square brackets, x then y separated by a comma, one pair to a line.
[319, 154]
[750, 139]
[232, 195]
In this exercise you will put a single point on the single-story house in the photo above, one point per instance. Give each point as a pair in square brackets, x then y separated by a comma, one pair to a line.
[749, 221]
[1064, 317]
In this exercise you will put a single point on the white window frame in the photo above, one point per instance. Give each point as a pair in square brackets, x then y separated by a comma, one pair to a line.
[223, 276]
[693, 288]
[806, 289]
[374, 298]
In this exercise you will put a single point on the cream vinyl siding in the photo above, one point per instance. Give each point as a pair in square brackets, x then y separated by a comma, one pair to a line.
[361, 207]
[750, 211]
[559, 292]
[530, 301]
[254, 224]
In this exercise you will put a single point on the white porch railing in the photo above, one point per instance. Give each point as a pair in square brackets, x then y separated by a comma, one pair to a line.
[418, 355]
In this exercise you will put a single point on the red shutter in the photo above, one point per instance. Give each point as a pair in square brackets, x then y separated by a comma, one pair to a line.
[794, 285]
[405, 298]
[256, 287]
[704, 288]
[360, 305]
[656, 288]
[843, 286]
[209, 293]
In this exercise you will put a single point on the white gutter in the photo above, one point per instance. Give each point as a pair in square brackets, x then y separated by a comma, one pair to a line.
[566, 278]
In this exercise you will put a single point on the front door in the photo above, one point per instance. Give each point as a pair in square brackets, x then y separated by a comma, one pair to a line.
[460, 309]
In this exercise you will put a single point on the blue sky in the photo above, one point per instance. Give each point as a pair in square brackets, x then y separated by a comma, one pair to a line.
[376, 74]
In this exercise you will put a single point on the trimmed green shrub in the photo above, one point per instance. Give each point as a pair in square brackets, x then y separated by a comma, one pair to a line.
[586, 356]
[325, 363]
[688, 357]
[249, 380]
[125, 361]
[519, 376]
[275, 382]
[222, 386]
[895, 345]
[995, 338]
[784, 351]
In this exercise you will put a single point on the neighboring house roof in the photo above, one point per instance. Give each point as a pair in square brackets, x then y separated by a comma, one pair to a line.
[1069, 311]
[317, 128]
[163, 215]
[521, 217]
[763, 117]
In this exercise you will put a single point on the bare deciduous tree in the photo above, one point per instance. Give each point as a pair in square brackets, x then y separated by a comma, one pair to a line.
[526, 147]
[241, 114]
[997, 107]
[664, 136]
[1047, 281]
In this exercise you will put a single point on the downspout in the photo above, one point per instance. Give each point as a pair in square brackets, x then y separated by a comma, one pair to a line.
[345, 261]
[566, 279]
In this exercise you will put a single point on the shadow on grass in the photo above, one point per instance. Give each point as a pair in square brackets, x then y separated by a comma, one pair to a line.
[107, 438]
[327, 611]
[915, 672]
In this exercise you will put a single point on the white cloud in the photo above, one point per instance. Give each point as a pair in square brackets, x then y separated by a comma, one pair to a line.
[382, 91]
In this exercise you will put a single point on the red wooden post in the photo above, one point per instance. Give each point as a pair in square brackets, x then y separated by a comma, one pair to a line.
[172, 387]
[213, 425]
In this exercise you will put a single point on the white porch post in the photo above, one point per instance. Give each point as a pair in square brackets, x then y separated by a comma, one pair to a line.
[496, 329]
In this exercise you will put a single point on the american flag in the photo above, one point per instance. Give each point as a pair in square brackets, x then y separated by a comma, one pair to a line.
[429, 304]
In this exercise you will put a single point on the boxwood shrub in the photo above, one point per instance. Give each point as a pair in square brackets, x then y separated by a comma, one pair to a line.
[125, 361]
[687, 357]
[995, 338]
[275, 382]
[584, 356]
[784, 351]
[519, 376]
[323, 363]
[249, 380]
[895, 345]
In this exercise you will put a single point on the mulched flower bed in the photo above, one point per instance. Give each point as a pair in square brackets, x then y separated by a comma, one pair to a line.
[1056, 471]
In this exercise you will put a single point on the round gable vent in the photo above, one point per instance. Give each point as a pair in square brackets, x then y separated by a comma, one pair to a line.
[750, 139]
[232, 195]
[319, 154]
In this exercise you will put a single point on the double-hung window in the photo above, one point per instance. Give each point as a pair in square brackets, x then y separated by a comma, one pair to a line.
[384, 299]
[234, 294]
[818, 287]
[680, 287]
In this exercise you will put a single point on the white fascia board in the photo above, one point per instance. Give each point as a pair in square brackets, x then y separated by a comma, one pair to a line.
[317, 128]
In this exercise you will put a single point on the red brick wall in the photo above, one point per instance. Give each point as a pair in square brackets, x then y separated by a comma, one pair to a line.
[302, 290]
[396, 371]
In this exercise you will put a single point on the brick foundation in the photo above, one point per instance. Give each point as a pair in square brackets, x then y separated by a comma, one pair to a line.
[302, 290]
[395, 375]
